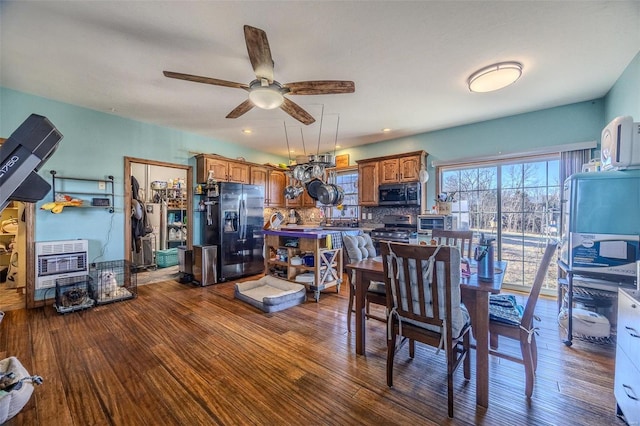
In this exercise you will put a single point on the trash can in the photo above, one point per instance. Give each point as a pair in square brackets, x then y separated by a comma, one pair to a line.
[205, 259]
[185, 264]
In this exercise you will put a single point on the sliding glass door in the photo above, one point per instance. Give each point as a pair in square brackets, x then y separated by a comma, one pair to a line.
[517, 202]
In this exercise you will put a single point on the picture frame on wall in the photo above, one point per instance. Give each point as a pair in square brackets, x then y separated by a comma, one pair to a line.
[342, 161]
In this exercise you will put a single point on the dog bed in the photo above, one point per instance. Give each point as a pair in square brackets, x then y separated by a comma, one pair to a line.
[271, 294]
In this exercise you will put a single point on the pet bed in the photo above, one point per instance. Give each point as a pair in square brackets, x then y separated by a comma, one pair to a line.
[271, 294]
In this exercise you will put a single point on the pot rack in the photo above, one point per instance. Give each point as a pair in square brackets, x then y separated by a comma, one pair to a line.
[312, 169]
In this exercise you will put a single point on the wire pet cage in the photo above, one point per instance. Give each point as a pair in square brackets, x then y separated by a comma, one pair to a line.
[113, 281]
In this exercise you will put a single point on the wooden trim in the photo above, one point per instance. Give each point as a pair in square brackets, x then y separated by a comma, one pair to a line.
[128, 161]
[30, 225]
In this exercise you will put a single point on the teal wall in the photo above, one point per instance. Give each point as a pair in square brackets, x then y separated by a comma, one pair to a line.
[567, 124]
[624, 96]
[94, 145]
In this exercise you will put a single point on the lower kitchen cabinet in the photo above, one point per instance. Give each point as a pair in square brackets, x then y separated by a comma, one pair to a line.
[627, 375]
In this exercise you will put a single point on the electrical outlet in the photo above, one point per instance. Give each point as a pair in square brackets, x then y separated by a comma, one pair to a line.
[102, 185]
[364, 216]
[369, 216]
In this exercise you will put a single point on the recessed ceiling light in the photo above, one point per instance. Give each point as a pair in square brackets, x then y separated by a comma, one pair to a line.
[386, 130]
[337, 146]
[494, 77]
[247, 131]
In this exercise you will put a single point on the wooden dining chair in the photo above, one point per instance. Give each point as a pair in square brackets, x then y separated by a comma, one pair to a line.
[461, 239]
[507, 319]
[423, 301]
[358, 248]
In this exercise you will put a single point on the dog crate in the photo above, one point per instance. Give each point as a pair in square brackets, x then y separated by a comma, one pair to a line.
[73, 294]
[113, 281]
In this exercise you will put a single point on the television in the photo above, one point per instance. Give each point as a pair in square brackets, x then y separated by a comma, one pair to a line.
[620, 144]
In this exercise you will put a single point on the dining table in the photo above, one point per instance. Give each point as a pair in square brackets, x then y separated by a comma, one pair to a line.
[474, 293]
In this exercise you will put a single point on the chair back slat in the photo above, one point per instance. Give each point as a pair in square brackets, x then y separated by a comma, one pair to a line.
[541, 274]
[461, 239]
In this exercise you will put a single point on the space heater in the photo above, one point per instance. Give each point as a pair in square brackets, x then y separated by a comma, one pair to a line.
[60, 259]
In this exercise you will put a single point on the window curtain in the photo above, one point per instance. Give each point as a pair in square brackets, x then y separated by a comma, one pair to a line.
[571, 162]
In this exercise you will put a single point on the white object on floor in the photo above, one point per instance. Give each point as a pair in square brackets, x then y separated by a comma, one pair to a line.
[271, 294]
[585, 322]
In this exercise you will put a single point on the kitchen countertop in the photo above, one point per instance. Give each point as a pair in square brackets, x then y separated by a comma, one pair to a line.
[312, 233]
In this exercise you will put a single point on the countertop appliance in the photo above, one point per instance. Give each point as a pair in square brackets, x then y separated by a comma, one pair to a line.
[620, 144]
[399, 194]
[397, 228]
[233, 222]
[428, 222]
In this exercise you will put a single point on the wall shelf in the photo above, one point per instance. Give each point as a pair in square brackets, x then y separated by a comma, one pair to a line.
[79, 186]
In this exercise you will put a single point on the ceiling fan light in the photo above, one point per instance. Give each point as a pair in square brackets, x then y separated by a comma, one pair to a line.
[495, 77]
[266, 97]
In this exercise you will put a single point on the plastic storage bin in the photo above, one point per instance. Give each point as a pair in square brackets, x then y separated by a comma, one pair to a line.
[166, 258]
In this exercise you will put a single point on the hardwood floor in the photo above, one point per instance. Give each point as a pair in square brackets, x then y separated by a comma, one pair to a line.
[184, 355]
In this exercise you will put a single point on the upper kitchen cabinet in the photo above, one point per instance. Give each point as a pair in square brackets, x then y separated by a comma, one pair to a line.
[272, 181]
[223, 170]
[277, 181]
[303, 200]
[402, 169]
[368, 183]
[373, 172]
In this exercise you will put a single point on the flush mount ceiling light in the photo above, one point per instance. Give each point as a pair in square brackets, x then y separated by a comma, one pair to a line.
[495, 77]
[266, 96]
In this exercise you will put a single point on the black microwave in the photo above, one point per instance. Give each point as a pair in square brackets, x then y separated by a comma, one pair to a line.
[399, 194]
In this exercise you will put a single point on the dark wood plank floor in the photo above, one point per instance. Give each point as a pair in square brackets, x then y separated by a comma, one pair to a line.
[183, 355]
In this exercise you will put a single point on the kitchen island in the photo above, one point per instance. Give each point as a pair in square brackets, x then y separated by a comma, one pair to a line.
[304, 256]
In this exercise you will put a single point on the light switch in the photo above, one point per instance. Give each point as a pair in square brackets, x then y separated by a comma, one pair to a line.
[102, 185]
[364, 215]
[369, 216]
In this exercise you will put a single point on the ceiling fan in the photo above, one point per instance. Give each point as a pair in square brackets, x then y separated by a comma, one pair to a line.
[264, 91]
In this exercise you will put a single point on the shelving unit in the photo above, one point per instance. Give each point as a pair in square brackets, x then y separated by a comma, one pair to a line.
[605, 292]
[7, 238]
[327, 269]
[75, 186]
[176, 220]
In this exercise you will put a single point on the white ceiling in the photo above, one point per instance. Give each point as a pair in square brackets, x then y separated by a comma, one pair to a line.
[409, 61]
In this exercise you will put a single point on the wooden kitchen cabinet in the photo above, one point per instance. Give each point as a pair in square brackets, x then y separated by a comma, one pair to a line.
[368, 183]
[238, 172]
[304, 200]
[277, 181]
[403, 169]
[222, 169]
[373, 172]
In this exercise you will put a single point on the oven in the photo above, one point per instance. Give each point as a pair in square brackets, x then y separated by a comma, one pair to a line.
[397, 228]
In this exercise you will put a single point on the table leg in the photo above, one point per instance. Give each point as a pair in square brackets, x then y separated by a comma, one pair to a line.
[477, 303]
[360, 313]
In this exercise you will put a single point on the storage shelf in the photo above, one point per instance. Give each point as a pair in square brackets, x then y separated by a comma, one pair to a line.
[107, 193]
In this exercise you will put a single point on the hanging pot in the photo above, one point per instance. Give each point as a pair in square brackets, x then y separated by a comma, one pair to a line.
[312, 188]
[292, 192]
[328, 159]
[327, 194]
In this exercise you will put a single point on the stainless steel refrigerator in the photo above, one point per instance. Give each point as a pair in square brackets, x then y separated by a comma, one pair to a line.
[233, 222]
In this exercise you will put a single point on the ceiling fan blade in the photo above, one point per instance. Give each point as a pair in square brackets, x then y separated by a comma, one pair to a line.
[294, 110]
[320, 87]
[241, 109]
[259, 52]
[205, 80]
